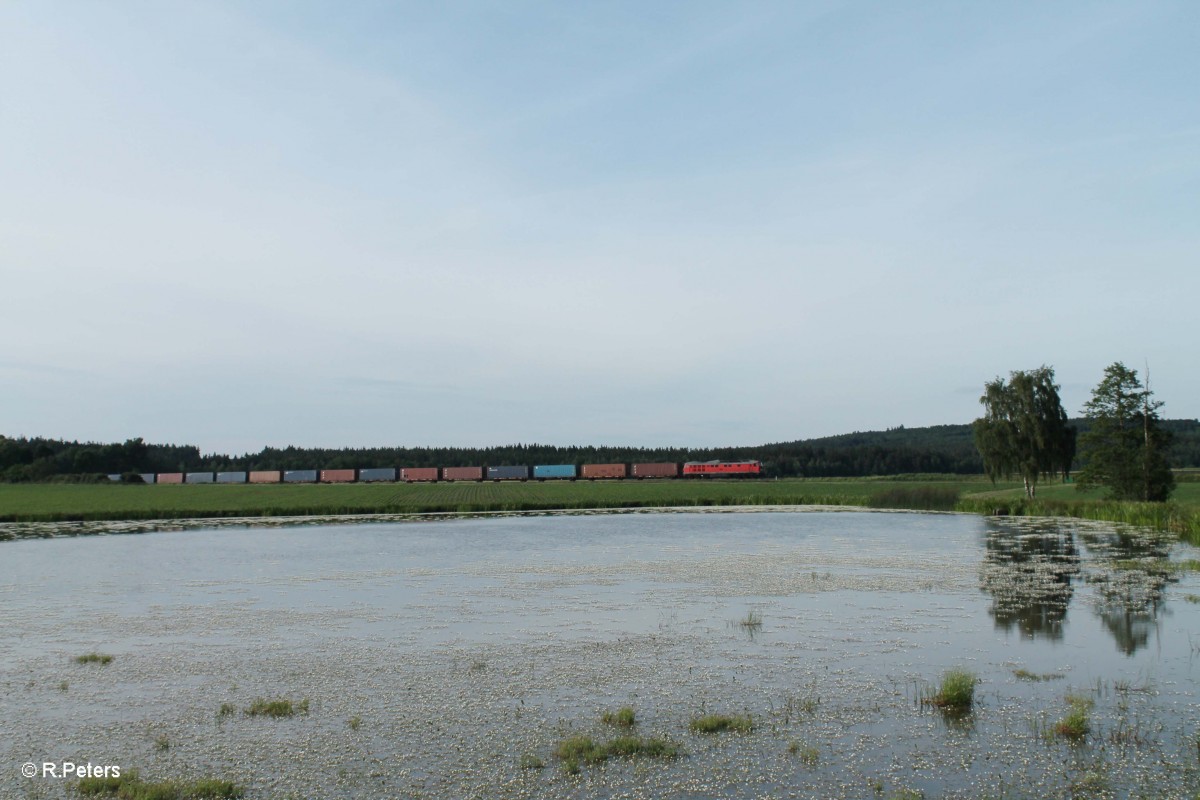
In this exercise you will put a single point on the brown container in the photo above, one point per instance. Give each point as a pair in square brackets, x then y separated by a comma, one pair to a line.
[603, 471]
[655, 470]
[169, 477]
[338, 476]
[462, 473]
[419, 473]
[266, 476]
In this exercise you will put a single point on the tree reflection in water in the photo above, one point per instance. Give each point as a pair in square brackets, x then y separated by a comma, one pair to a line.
[1129, 585]
[1028, 571]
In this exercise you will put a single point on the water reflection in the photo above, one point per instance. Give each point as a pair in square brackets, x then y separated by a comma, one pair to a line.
[1028, 573]
[1129, 585]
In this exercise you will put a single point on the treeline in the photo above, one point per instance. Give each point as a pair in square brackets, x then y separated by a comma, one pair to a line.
[938, 449]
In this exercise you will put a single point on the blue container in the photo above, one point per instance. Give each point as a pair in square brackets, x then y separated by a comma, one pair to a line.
[541, 471]
[300, 476]
[148, 477]
[508, 473]
[198, 477]
[231, 477]
[377, 474]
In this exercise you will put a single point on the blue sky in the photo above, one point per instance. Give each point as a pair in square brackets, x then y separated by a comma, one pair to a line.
[242, 224]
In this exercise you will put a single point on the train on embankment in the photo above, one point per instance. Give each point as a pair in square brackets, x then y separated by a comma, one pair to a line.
[537, 472]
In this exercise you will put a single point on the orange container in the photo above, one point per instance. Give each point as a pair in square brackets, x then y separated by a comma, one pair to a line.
[266, 476]
[419, 474]
[169, 477]
[603, 471]
[338, 476]
[462, 473]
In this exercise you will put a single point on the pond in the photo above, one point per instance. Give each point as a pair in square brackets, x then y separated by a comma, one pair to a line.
[449, 659]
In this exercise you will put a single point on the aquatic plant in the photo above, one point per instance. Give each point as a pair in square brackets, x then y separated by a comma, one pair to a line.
[752, 621]
[354, 722]
[276, 708]
[956, 692]
[716, 723]
[530, 761]
[1036, 677]
[622, 717]
[1077, 722]
[807, 754]
[130, 786]
[103, 659]
[578, 750]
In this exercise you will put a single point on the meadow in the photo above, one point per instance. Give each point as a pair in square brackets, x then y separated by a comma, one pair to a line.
[82, 502]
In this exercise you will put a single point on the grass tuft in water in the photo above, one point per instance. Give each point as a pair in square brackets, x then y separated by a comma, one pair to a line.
[753, 620]
[132, 787]
[956, 692]
[530, 761]
[276, 708]
[578, 750]
[162, 744]
[103, 659]
[354, 722]
[716, 723]
[1077, 722]
[1036, 677]
[623, 717]
[226, 710]
[808, 755]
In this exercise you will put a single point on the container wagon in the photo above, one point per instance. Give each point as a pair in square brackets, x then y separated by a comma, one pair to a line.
[377, 474]
[114, 477]
[660, 470]
[508, 473]
[706, 468]
[231, 477]
[593, 471]
[560, 471]
[338, 476]
[198, 477]
[412, 474]
[462, 473]
[147, 477]
[300, 476]
[169, 477]
[266, 476]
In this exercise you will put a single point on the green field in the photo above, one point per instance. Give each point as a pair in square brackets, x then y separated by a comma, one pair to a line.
[69, 502]
[56, 502]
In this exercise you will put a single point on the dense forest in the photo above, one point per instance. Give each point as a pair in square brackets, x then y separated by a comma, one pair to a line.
[941, 449]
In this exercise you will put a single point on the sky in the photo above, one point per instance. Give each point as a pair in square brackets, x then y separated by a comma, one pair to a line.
[241, 224]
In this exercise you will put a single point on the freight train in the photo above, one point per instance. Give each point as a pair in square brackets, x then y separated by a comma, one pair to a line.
[538, 472]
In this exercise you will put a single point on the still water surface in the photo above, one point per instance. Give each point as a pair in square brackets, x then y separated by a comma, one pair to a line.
[462, 646]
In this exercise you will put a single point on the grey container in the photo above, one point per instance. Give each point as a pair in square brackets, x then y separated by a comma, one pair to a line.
[508, 473]
[198, 477]
[231, 477]
[377, 474]
[115, 477]
[147, 477]
[300, 476]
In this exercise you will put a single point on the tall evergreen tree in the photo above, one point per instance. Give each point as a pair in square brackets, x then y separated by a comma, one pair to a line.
[1125, 446]
[1024, 428]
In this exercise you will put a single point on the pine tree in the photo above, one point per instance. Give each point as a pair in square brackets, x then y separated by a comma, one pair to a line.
[1125, 447]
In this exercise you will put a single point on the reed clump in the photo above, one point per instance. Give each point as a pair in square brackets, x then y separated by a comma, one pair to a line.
[717, 723]
[956, 692]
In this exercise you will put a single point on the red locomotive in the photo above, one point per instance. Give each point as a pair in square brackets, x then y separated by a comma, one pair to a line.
[718, 468]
